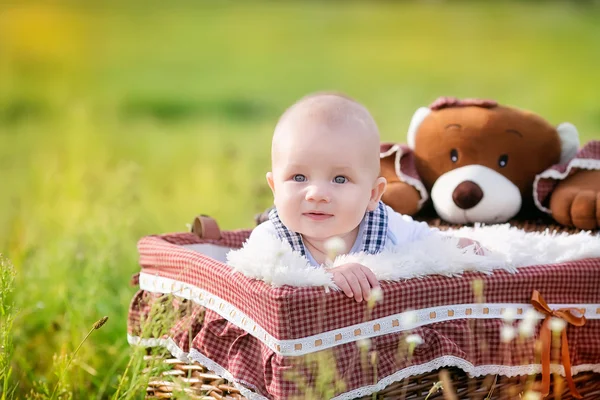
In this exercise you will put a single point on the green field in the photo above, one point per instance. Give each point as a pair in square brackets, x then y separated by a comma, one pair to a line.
[122, 120]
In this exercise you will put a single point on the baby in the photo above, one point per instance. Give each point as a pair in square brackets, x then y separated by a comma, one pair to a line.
[326, 184]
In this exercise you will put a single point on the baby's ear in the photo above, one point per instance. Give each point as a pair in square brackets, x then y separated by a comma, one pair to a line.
[376, 193]
[270, 181]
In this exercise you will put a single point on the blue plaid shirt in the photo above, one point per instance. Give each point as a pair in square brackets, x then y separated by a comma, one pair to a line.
[373, 230]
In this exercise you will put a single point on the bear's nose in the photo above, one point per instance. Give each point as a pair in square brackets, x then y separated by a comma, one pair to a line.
[467, 195]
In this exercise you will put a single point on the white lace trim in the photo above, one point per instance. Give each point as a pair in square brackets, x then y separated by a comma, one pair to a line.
[469, 368]
[417, 184]
[390, 324]
[195, 356]
[583, 163]
[440, 362]
[167, 343]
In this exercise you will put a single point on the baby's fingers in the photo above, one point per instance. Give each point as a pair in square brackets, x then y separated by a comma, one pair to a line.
[371, 277]
[364, 284]
[342, 283]
[355, 280]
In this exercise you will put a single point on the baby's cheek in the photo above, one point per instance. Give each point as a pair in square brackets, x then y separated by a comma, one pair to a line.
[287, 218]
[284, 195]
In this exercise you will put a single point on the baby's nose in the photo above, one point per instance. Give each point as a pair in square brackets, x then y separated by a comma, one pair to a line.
[317, 193]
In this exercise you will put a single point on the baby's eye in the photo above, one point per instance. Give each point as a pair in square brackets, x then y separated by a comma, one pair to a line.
[299, 178]
[340, 179]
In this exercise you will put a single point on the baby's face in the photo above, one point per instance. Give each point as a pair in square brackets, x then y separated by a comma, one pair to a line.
[324, 179]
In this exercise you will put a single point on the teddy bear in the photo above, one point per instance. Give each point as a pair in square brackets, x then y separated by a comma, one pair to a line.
[478, 161]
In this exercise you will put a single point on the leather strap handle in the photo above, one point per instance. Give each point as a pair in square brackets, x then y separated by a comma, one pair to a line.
[206, 227]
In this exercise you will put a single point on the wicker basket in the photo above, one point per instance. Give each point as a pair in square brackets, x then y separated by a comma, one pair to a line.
[192, 379]
[199, 383]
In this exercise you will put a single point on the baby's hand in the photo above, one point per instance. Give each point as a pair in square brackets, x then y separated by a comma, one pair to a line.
[478, 248]
[355, 280]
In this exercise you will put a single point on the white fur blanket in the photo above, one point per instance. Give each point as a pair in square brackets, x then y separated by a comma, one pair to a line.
[274, 262]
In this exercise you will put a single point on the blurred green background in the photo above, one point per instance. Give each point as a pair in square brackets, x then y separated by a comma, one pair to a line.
[122, 119]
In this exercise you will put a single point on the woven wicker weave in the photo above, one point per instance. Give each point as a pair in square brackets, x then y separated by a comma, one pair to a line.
[192, 379]
[199, 383]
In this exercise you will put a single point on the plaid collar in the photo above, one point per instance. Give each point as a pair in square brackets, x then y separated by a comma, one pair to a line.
[376, 226]
[375, 231]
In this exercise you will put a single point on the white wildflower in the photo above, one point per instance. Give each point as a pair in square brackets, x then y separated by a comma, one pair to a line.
[364, 344]
[408, 319]
[526, 328]
[375, 296]
[509, 315]
[557, 325]
[532, 316]
[334, 246]
[531, 395]
[530, 320]
[414, 339]
[507, 333]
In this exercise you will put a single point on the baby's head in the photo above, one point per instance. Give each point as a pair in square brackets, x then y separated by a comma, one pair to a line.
[325, 166]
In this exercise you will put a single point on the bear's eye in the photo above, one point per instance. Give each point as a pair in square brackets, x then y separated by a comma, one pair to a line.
[503, 160]
[454, 155]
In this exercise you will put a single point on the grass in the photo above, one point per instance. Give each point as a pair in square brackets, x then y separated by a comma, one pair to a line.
[7, 315]
[119, 120]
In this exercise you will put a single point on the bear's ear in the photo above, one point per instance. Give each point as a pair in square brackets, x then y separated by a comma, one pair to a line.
[569, 141]
[415, 122]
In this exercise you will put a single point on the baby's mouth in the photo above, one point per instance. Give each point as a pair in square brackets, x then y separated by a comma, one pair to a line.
[317, 215]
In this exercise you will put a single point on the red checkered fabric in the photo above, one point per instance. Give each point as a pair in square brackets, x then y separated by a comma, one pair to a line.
[545, 186]
[297, 312]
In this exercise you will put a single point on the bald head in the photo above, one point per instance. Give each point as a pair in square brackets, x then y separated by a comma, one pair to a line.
[332, 110]
[332, 116]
